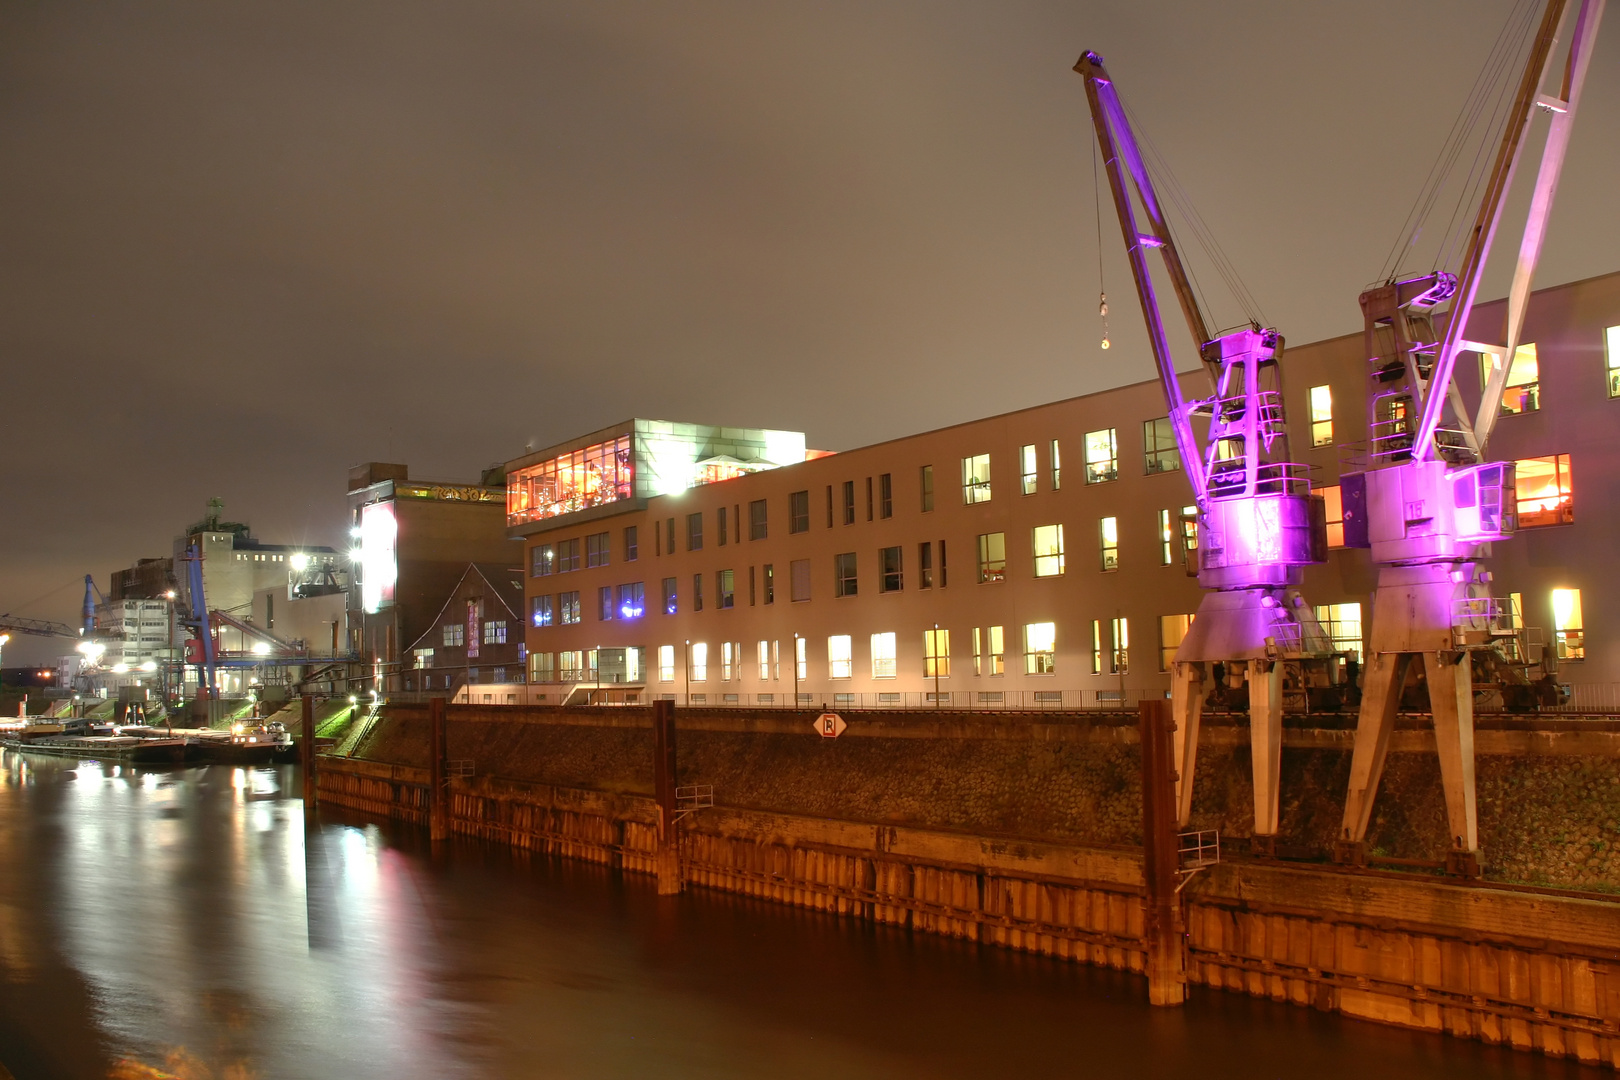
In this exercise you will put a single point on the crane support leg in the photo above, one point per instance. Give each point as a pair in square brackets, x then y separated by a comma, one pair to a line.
[1187, 708]
[1265, 748]
[1380, 694]
[1451, 701]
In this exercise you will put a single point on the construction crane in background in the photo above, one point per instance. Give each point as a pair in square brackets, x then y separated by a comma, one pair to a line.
[1428, 503]
[1258, 523]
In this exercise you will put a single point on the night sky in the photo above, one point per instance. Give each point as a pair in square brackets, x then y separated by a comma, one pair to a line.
[243, 247]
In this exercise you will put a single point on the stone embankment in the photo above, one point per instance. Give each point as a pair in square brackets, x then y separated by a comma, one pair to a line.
[1025, 831]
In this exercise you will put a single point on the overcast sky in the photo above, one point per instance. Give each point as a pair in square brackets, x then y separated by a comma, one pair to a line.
[243, 247]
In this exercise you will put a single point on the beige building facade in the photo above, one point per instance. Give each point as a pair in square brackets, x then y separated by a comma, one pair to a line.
[1039, 558]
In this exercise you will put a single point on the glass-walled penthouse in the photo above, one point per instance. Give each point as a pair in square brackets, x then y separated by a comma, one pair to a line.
[637, 460]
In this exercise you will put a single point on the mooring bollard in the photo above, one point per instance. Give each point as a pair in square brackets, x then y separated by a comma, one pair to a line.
[669, 851]
[438, 772]
[306, 754]
[1166, 952]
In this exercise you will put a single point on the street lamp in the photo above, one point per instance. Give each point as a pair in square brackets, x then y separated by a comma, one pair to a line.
[3, 639]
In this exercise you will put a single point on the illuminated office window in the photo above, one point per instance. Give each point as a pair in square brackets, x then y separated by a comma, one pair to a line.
[936, 654]
[1522, 392]
[1108, 539]
[666, 663]
[1568, 626]
[1545, 493]
[1321, 402]
[698, 651]
[1027, 470]
[1342, 624]
[542, 667]
[764, 660]
[541, 610]
[992, 557]
[1122, 646]
[883, 660]
[840, 658]
[1040, 648]
[1048, 543]
[976, 478]
[1102, 456]
[568, 608]
[1172, 631]
[1167, 536]
[801, 658]
[1333, 499]
[1159, 453]
[730, 661]
[1096, 647]
[1611, 354]
[995, 660]
[1189, 530]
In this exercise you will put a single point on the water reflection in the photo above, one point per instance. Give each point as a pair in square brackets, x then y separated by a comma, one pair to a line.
[191, 923]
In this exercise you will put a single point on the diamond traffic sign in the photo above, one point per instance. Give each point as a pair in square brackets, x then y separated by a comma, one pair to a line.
[829, 725]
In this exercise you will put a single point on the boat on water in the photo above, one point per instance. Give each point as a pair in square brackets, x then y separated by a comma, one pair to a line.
[129, 748]
[249, 743]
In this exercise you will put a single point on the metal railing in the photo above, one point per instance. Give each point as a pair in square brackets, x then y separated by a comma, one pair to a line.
[690, 798]
[1196, 850]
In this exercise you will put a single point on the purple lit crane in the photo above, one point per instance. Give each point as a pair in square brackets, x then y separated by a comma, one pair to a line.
[1428, 501]
[1259, 525]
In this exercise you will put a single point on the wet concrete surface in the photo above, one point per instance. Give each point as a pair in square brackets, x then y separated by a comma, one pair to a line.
[188, 922]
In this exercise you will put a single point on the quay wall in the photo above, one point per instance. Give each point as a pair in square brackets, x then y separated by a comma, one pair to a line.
[1024, 832]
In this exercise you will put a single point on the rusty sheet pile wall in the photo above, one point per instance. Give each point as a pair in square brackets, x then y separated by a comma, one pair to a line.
[1025, 832]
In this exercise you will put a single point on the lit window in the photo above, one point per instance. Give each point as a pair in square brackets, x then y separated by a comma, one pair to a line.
[925, 481]
[1333, 499]
[1096, 647]
[1040, 648]
[424, 658]
[844, 583]
[1108, 539]
[671, 603]
[1342, 624]
[632, 600]
[700, 661]
[1611, 350]
[1172, 630]
[976, 478]
[542, 560]
[799, 512]
[666, 663]
[725, 588]
[495, 632]
[1122, 646]
[1159, 453]
[542, 667]
[1568, 627]
[995, 654]
[840, 660]
[568, 556]
[540, 610]
[568, 608]
[936, 654]
[883, 663]
[890, 578]
[1522, 392]
[799, 573]
[454, 634]
[1544, 490]
[1102, 456]
[992, 557]
[729, 661]
[596, 549]
[1026, 457]
[571, 666]
[1189, 530]
[768, 575]
[1166, 537]
[1321, 402]
[593, 476]
[764, 660]
[1048, 540]
[801, 658]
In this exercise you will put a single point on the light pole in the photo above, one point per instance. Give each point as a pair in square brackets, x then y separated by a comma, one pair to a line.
[3, 639]
[688, 672]
[795, 669]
